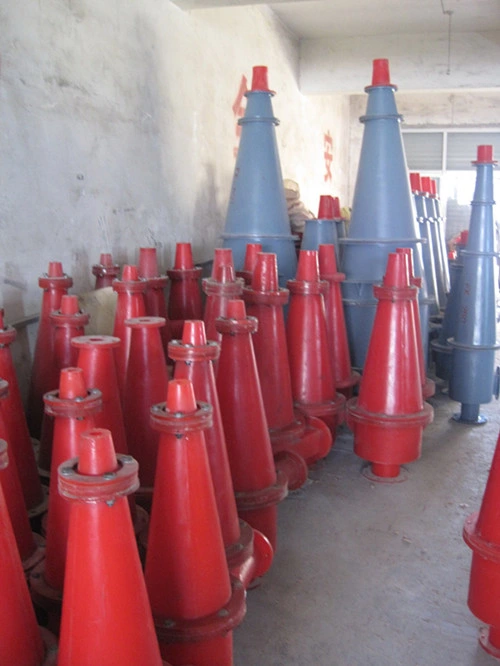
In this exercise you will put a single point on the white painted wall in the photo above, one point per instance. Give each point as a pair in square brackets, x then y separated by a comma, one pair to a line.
[117, 131]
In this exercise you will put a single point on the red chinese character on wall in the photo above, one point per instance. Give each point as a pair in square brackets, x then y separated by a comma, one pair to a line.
[328, 155]
[239, 109]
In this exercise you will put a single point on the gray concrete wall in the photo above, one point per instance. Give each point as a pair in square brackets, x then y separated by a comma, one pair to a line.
[117, 131]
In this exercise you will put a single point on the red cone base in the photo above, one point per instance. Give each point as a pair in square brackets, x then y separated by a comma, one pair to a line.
[482, 534]
[257, 486]
[195, 603]
[249, 555]
[114, 627]
[185, 294]
[389, 415]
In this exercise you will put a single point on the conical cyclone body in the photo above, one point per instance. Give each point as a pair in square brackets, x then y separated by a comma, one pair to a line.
[474, 343]
[383, 218]
[257, 211]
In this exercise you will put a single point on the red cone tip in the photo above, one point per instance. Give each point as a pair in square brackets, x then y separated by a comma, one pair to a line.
[265, 274]
[55, 269]
[337, 213]
[97, 453]
[223, 256]
[72, 384]
[325, 210]
[327, 260]
[193, 333]
[105, 259]
[69, 305]
[308, 268]
[259, 79]
[251, 253]
[183, 257]
[2, 321]
[130, 273]
[416, 185]
[381, 76]
[180, 396]
[433, 187]
[225, 274]
[148, 262]
[397, 272]
[464, 237]
[485, 155]
[425, 182]
[409, 253]
[236, 310]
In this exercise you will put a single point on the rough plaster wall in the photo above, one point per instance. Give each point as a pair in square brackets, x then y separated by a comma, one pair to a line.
[117, 131]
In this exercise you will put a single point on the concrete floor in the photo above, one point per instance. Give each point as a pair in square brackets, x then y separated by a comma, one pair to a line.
[376, 575]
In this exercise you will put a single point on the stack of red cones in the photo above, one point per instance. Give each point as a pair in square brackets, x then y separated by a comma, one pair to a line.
[344, 377]
[154, 296]
[482, 535]
[249, 554]
[308, 352]
[15, 424]
[72, 408]
[291, 432]
[31, 546]
[55, 284]
[258, 487]
[106, 616]
[185, 294]
[130, 303]
[68, 322]
[195, 603]
[251, 253]
[389, 415]
[146, 385]
[105, 271]
[428, 385]
[22, 642]
[220, 288]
